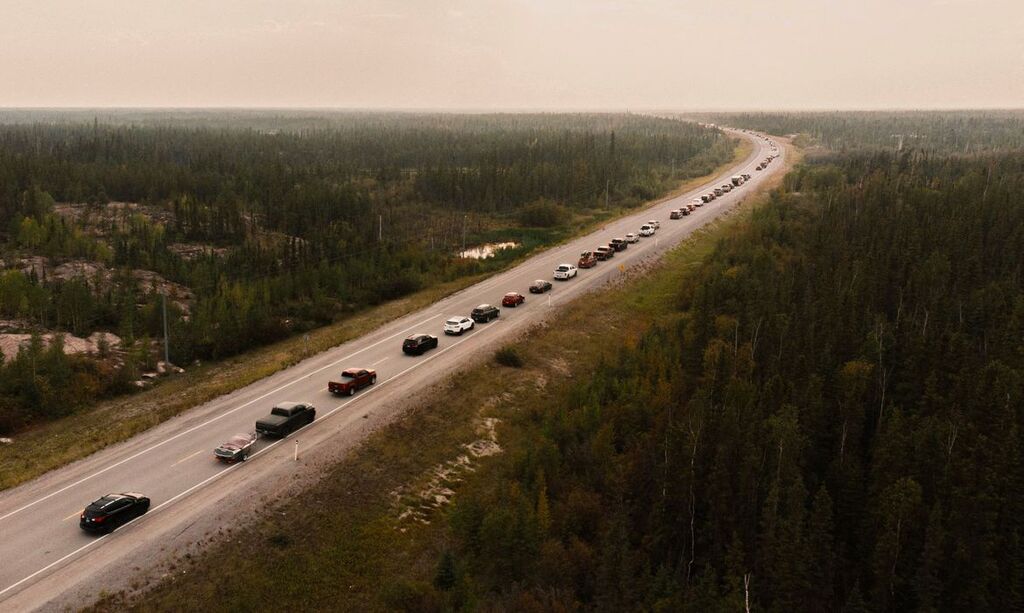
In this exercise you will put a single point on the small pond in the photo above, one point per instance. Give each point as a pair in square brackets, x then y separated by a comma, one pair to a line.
[482, 252]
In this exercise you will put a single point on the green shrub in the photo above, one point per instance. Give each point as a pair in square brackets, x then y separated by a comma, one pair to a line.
[509, 356]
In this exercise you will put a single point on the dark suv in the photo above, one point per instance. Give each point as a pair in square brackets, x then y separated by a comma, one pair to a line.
[484, 313]
[418, 344]
[619, 244]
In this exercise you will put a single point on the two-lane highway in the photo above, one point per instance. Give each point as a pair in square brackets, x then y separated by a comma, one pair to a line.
[42, 549]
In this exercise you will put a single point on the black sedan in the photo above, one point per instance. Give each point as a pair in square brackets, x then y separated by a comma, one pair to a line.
[418, 344]
[112, 511]
[540, 286]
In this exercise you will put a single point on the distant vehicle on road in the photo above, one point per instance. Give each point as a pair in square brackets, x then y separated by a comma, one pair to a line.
[564, 272]
[746, 176]
[587, 260]
[646, 230]
[352, 380]
[484, 313]
[458, 325]
[418, 344]
[676, 214]
[236, 449]
[604, 252]
[697, 202]
[737, 180]
[512, 299]
[632, 238]
[112, 511]
[718, 191]
[654, 223]
[619, 244]
[285, 418]
[540, 286]
[726, 187]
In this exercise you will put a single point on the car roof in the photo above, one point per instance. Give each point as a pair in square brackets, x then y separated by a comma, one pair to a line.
[512, 294]
[105, 501]
[286, 405]
[483, 306]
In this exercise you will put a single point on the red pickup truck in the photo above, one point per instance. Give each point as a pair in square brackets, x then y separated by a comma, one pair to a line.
[587, 260]
[352, 380]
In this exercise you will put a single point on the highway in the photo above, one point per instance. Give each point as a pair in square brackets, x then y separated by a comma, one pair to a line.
[46, 561]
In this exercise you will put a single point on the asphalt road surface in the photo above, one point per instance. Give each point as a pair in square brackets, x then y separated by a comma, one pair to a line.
[44, 556]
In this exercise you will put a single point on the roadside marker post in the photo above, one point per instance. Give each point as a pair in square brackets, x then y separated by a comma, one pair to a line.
[296, 450]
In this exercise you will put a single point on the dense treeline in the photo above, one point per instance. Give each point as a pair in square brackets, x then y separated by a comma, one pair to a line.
[300, 218]
[937, 131]
[834, 423]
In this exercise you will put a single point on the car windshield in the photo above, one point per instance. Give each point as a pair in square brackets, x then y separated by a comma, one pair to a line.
[453, 322]
[239, 440]
[563, 268]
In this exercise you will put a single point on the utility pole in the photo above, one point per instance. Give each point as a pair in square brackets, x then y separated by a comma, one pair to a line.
[167, 342]
[607, 186]
[464, 218]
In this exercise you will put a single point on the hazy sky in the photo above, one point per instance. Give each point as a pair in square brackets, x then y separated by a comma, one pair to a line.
[513, 54]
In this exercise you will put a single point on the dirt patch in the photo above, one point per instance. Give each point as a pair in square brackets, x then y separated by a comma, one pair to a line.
[419, 502]
[12, 343]
[100, 219]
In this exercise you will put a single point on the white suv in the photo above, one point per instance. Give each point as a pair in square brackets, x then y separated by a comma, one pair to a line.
[565, 272]
[646, 230]
[458, 325]
[632, 238]
[654, 223]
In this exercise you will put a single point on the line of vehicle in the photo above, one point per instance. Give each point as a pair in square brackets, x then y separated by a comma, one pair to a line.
[571, 290]
[209, 421]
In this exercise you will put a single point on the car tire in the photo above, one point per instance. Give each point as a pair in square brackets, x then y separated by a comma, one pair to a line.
[352, 391]
[373, 379]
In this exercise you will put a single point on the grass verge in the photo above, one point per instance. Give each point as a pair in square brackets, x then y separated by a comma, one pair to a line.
[374, 536]
[58, 443]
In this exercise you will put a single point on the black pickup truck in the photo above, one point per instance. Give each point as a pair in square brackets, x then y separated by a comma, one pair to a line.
[286, 418]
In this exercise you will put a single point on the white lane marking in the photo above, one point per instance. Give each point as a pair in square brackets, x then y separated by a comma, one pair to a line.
[188, 457]
[75, 514]
[234, 466]
[380, 361]
[210, 421]
[56, 562]
[419, 363]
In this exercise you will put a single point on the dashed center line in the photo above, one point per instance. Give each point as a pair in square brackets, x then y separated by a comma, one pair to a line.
[188, 457]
